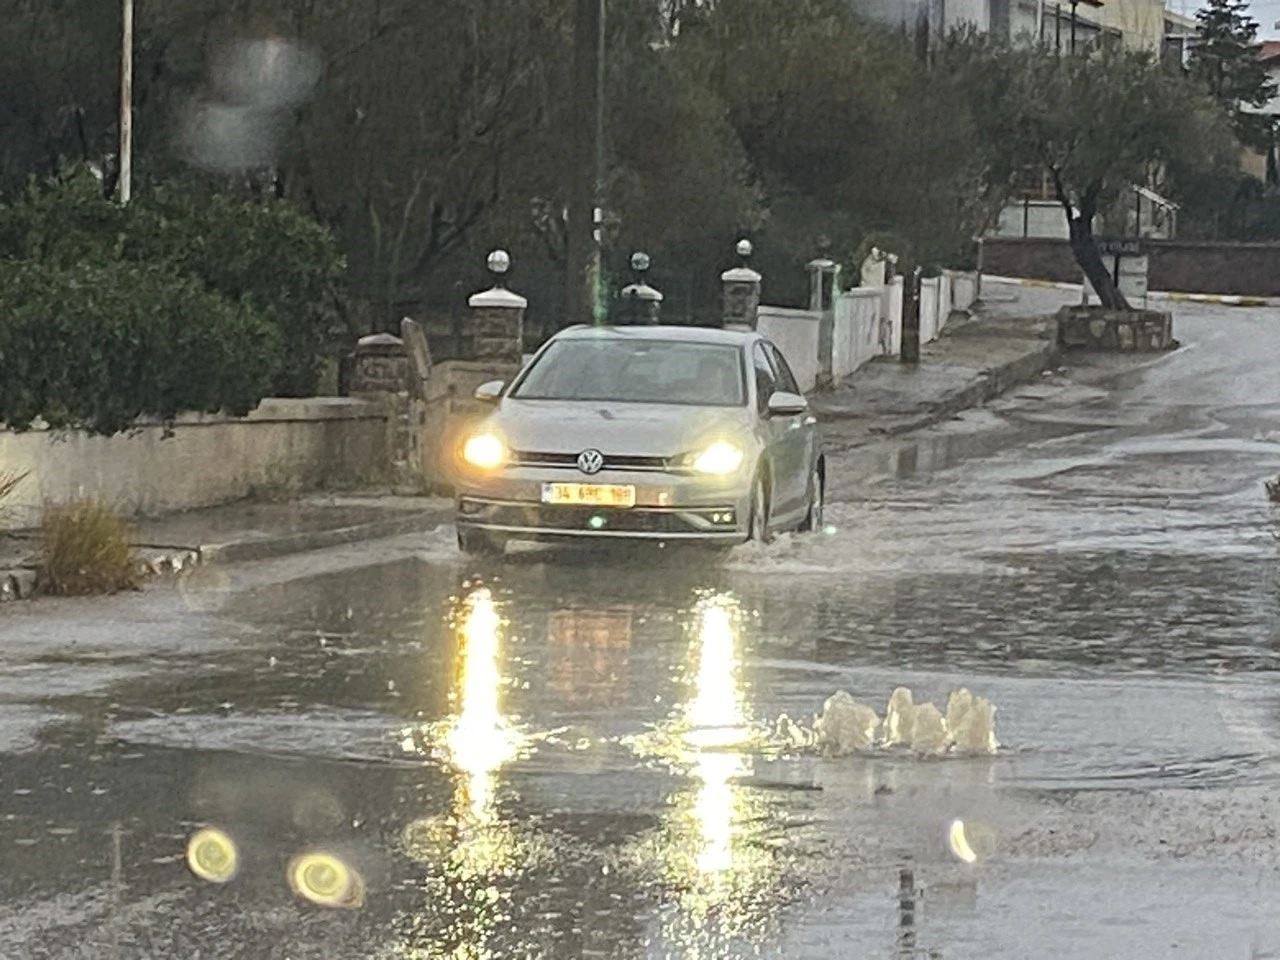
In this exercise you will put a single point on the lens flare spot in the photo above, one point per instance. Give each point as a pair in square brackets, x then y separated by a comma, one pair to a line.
[959, 843]
[325, 880]
[212, 856]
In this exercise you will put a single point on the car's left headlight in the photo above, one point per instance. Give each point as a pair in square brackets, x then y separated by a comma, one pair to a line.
[721, 458]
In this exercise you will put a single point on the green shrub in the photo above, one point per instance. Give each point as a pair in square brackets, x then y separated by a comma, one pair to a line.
[266, 255]
[85, 549]
[95, 346]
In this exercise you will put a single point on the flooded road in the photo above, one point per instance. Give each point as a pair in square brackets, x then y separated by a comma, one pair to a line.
[402, 754]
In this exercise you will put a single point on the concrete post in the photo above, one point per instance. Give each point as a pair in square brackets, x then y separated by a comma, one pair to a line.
[641, 303]
[742, 292]
[824, 281]
[496, 330]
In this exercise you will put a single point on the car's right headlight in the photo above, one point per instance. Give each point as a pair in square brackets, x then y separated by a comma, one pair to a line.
[484, 451]
[718, 459]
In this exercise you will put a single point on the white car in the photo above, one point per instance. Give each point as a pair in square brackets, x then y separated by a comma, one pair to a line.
[642, 433]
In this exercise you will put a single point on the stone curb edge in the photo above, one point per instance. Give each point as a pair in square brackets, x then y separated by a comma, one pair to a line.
[1231, 300]
[20, 582]
[246, 550]
[986, 386]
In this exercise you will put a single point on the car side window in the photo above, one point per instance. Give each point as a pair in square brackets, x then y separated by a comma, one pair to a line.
[786, 379]
[766, 379]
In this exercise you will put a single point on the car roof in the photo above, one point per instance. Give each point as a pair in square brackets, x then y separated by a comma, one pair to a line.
[682, 334]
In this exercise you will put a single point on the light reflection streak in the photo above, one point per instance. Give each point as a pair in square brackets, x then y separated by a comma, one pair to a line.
[715, 719]
[470, 849]
[480, 740]
[725, 881]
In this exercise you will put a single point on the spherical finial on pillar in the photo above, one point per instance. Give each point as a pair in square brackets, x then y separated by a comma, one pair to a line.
[499, 263]
[640, 262]
[745, 249]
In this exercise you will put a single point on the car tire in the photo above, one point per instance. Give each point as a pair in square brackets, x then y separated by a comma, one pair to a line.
[814, 516]
[758, 526]
[478, 543]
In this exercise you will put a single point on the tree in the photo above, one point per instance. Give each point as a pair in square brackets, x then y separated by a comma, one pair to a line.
[1096, 123]
[1225, 59]
[850, 133]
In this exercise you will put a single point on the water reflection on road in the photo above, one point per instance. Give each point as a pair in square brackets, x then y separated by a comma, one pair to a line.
[567, 754]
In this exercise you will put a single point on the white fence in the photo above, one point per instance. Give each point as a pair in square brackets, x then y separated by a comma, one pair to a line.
[866, 322]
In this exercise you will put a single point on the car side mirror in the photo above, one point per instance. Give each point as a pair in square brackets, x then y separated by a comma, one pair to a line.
[490, 392]
[784, 404]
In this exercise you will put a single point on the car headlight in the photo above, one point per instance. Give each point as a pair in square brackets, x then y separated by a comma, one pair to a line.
[484, 451]
[720, 458]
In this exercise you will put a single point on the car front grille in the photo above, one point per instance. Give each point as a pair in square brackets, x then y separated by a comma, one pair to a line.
[560, 461]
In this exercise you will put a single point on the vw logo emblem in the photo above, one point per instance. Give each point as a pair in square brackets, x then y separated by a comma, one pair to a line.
[591, 461]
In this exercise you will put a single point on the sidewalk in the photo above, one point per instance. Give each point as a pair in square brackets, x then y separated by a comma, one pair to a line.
[973, 361]
[246, 531]
[1226, 299]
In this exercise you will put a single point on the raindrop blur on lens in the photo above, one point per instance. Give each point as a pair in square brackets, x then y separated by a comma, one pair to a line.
[212, 856]
[271, 74]
[325, 880]
[237, 123]
[229, 139]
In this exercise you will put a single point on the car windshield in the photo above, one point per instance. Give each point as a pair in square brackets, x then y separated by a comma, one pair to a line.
[627, 370]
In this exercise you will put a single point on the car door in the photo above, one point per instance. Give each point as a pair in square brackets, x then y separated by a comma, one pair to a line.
[800, 435]
[776, 431]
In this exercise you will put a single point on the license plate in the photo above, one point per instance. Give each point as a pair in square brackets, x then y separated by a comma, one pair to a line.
[589, 494]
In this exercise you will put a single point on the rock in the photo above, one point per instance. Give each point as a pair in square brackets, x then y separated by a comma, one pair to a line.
[929, 735]
[899, 717]
[25, 581]
[845, 725]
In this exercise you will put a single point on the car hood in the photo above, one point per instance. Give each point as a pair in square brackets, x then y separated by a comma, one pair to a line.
[618, 429]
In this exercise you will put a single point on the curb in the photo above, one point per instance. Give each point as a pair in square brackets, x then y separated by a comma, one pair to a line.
[247, 550]
[986, 386]
[1226, 299]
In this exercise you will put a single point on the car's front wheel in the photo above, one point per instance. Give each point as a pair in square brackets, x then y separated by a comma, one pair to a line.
[813, 519]
[479, 543]
[759, 526]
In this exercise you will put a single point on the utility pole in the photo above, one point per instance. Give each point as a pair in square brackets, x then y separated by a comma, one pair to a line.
[582, 297]
[126, 102]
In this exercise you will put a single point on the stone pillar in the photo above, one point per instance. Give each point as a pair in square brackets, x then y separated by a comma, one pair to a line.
[641, 303]
[742, 292]
[496, 330]
[824, 284]
[379, 364]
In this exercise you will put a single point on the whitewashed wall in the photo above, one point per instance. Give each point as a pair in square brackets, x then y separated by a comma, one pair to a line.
[795, 333]
[204, 459]
[866, 323]
[964, 289]
[891, 305]
[929, 293]
[856, 336]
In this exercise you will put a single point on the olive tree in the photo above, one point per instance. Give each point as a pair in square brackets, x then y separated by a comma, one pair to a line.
[1096, 123]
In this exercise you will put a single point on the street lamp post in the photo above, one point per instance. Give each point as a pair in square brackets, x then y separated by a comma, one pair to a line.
[126, 101]
[584, 302]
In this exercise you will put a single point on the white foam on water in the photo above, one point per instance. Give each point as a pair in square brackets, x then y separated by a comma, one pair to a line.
[845, 726]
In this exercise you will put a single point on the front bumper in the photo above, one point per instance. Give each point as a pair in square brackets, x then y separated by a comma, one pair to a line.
[668, 507]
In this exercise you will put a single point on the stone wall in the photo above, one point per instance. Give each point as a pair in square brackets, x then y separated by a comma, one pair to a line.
[1177, 266]
[202, 461]
[1116, 331]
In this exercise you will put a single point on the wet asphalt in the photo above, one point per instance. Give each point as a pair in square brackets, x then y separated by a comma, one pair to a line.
[409, 755]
